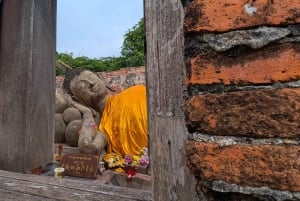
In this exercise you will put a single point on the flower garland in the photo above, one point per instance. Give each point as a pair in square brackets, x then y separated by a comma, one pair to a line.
[138, 161]
[114, 160]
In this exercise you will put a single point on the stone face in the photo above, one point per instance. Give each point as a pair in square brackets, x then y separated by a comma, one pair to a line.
[221, 16]
[276, 63]
[257, 113]
[274, 166]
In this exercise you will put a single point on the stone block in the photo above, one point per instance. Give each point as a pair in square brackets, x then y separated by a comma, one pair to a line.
[276, 63]
[275, 166]
[222, 16]
[256, 113]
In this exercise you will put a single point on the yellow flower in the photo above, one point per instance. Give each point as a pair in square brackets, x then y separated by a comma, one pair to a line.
[119, 170]
[136, 158]
[134, 163]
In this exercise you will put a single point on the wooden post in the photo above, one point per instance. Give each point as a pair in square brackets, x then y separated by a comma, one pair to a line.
[27, 74]
[165, 85]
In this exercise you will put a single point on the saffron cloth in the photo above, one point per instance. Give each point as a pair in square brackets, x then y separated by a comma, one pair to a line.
[124, 121]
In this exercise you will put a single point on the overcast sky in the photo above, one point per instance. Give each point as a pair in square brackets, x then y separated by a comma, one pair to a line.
[95, 28]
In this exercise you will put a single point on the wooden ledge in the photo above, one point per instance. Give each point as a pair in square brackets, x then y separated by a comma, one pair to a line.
[15, 186]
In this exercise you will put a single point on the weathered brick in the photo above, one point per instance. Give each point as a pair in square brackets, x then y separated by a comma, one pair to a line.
[278, 63]
[227, 15]
[274, 166]
[256, 113]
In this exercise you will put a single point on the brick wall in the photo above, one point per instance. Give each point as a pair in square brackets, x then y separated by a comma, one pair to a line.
[243, 106]
[125, 77]
[117, 80]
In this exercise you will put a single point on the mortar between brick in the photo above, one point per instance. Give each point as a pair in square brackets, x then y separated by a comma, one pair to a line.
[198, 89]
[231, 140]
[277, 195]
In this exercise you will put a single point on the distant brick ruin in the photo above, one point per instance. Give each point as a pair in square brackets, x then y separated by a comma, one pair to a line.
[118, 79]
[125, 77]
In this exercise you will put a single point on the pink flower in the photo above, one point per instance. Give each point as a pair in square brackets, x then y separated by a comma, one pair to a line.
[128, 158]
[144, 161]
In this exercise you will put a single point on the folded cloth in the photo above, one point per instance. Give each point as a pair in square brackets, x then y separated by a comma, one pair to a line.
[124, 121]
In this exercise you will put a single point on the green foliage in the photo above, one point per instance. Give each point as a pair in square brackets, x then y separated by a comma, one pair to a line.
[133, 46]
[132, 54]
[58, 71]
[102, 64]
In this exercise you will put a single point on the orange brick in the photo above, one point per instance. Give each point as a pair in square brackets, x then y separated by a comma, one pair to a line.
[275, 63]
[275, 166]
[257, 113]
[231, 14]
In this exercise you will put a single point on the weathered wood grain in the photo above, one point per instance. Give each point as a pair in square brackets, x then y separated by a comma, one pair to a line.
[8, 195]
[67, 149]
[33, 187]
[165, 85]
[27, 74]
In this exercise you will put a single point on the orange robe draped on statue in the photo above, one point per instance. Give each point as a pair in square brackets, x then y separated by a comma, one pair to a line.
[124, 121]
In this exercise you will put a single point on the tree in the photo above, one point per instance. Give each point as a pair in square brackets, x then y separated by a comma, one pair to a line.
[132, 50]
[101, 64]
[132, 54]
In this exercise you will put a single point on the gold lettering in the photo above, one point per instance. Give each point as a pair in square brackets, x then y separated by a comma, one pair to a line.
[91, 169]
[80, 157]
[67, 166]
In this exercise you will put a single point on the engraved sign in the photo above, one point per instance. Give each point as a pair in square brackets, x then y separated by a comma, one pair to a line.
[80, 165]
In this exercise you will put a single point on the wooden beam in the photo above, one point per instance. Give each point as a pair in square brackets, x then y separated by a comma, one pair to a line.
[165, 85]
[16, 186]
[27, 87]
